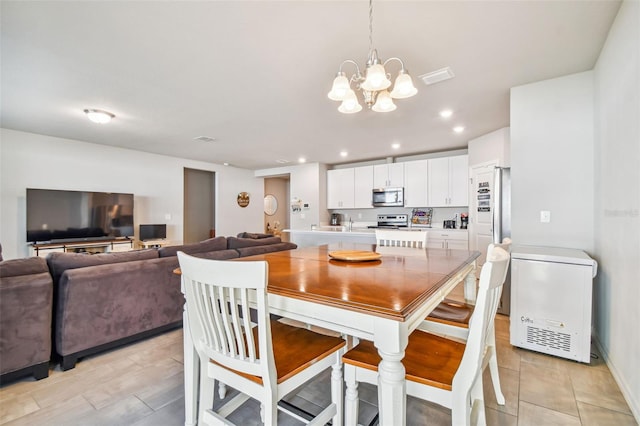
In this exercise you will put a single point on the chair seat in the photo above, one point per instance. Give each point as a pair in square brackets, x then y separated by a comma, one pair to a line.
[294, 349]
[428, 359]
[452, 312]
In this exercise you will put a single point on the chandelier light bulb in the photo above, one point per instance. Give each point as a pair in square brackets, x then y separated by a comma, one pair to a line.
[376, 78]
[340, 88]
[384, 103]
[350, 103]
[403, 87]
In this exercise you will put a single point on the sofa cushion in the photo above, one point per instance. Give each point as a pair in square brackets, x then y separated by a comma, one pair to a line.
[212, 244]
[253, 235]
[105, 303]
[250, 251]
[28, 266]
[218, 254]
[60, 262]
[236, 243]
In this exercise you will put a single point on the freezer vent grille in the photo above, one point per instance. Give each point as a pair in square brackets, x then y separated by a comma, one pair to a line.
[549, 339]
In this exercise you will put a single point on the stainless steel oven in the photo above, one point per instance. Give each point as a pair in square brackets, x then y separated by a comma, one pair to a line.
[383, 197]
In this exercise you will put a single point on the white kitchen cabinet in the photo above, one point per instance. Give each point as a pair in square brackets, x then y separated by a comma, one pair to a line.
[448, 239]
[448, 179]
[415, 183]
[388, 175]
[363, 184]
[340, 188]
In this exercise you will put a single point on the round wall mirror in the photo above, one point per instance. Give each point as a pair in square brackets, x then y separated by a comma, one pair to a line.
[270, 205]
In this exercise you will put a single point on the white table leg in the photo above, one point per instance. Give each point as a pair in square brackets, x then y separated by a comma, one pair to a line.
[392, 400]
[391, 338]
[470, 289]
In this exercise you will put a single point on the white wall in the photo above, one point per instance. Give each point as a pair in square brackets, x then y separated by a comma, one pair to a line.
[35, 161]
[552, 146]
[491, 147]
[617, 201]
[307, 182]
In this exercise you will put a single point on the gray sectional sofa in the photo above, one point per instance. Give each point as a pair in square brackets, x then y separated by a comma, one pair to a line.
[104, 300]
[26, 296]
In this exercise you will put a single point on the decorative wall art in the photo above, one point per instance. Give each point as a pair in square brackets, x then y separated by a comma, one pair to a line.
[243, 199]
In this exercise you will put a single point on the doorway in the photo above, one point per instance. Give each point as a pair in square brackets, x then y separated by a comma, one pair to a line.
[199, 205]
[276, 213]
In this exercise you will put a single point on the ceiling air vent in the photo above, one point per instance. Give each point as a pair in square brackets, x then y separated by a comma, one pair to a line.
[204, 139]
[437, 76]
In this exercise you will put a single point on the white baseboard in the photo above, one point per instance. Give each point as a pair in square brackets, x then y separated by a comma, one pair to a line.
[632, 400]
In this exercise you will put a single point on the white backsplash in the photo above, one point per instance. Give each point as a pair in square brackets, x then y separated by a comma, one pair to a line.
[365, 217]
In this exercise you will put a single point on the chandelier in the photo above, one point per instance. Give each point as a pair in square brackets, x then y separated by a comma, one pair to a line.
[374, 84]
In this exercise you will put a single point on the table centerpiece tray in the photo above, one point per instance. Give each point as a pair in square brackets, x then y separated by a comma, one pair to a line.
[354, 255]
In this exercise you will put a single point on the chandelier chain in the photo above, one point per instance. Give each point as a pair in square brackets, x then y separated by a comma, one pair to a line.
[370, 26]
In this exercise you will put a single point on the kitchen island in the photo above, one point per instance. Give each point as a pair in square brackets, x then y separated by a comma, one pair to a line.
[437, 238]
[330, 235]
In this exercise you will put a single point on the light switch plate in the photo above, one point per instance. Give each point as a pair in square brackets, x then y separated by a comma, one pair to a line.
[545, 216]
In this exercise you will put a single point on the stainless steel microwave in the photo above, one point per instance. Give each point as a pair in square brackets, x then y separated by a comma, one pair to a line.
[383, 197]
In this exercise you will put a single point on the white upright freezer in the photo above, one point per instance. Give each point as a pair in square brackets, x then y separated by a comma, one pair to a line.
[551, 291]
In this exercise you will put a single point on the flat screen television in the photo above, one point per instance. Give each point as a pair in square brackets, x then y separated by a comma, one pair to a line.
[58, 215]
[152, 232]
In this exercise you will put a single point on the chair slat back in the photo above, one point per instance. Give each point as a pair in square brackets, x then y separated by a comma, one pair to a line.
[394, 238]
[220, 295]
[492, 277]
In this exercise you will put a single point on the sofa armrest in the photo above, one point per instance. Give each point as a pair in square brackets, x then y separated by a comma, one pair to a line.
[25, 321]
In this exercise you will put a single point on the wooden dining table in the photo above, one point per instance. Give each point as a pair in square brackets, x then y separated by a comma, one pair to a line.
[381, 300]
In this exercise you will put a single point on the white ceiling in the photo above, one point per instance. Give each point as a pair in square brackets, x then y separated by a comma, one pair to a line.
[255, 74]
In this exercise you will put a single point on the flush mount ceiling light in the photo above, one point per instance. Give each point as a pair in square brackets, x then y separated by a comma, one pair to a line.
[204, 139]
[374, 84]
[99, 116]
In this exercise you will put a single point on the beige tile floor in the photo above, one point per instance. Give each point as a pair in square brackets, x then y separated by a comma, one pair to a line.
[142, 384]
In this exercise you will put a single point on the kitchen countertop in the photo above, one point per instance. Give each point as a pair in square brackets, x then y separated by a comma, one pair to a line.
[365, 231]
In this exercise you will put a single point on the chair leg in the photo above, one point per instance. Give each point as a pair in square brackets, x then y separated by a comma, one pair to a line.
[337, 397]
[269, 413]
[351, 398]
[207, 389]
[493, 366]
[222, 390]
[477, 401]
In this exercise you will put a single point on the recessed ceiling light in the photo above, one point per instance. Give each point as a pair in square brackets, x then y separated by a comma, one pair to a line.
[395, 145]
[437, 76]
[225, 164]
[282, 161]
[343, 153]
[446, 113]
[302, 160]
[99, 116]
[204, 139]
[458, 129]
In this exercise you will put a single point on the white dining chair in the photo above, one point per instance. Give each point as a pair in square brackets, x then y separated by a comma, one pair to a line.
[240, 346]
[451, 319]
[437, 369]
[397, 238]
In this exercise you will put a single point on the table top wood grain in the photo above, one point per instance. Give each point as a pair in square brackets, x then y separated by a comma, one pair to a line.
[391, 287]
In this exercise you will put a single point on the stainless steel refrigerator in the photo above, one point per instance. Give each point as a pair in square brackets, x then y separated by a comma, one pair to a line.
[501, 209]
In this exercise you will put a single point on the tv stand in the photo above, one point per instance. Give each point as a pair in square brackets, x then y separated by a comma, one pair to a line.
[90, 247]
[153, 243]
